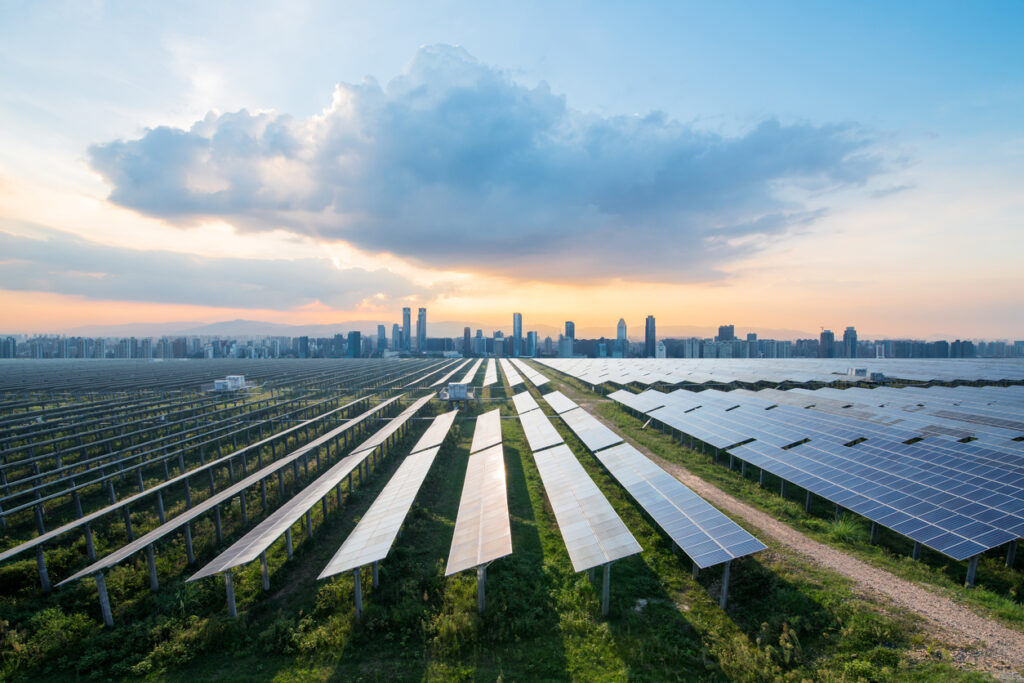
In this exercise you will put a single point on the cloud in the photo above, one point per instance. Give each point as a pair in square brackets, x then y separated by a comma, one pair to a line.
[53, 261]
[454, 165]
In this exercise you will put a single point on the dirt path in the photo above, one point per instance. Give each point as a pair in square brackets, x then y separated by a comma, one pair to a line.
[988, 645]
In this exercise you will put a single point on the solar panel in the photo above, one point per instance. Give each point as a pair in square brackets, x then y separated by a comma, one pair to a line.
[511, 375]
[393, 425]
[444, 378]
[558, 401]
[487, 432]
[537, 378]
[372, 538]
[706, 535]
[589, 430]
[436, 432]
[249, 547]
[482, 529]
[490, 374]
[524, 402]
[227, 494]
[643, 402]
[540, 433]
[471, 373]
[592, 532]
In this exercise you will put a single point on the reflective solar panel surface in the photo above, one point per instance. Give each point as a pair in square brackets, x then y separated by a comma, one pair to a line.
[372, 538]
[487, 432]
[471, 373]
[482, 529]
[540, 433]
[451, 373]
[436, 432]
[590, 431]
[524, 402]
[559, 402]
[593, 533]
[227, 494]
[491, 373]
[706, 535]
[513, 377]
[530, 373]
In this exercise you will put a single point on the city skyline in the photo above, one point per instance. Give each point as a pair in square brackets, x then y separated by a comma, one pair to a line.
[824, 186]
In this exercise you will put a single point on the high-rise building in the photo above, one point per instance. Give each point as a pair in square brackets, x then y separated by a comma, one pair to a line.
[517, 334]
[650, 337]
[726, 333]
[421, 331]
[827, 344]
[531, 344]
[621, 344]
[570, 329]
[406, 329]
[355, 345]
[850, 343]
[467, 349]
[396, 337]
[382, 338]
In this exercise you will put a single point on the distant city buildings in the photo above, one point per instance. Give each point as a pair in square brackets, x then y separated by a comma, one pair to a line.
[570, 329]
[650, 337]
[517, 334]
[406, 329]
[421, 331]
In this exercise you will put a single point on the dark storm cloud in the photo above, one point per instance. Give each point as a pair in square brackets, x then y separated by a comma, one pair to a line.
[454, 165]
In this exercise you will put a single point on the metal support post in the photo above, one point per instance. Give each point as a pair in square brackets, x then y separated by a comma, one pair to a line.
[229, 588]
[160, 507]
[358, 593]
[263, 493]
[782, 488]
[265, 571]
[101, 588]
[188, 544]
[606, 584]
[725, 586]
[309, 523]
[44, 576]
[972, 570]
[288, 542]
[874, 532]
[1011, 554]
[807, 503]
[760, 477]
[241, 505]
[839, 511]
[376, 577]
[916, 552]
[481, 582]
[216, 522]
[154, 584]
[694, 571]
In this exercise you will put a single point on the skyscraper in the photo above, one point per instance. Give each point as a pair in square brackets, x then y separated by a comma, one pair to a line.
[622, 346]
[726, 333]
[421, 331]
[396, 337]
[355, 345]
[850, 343]
[382, 338]
[650, 338]
[517, 334]
[570, 329]
[467, 350]
[827, 344]
[406, 329]
[531, 344]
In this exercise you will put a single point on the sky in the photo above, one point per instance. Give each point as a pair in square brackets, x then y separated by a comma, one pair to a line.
[791, 165]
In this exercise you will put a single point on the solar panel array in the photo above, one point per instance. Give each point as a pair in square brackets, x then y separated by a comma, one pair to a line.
[213, 501]
[706, 535]
[483, 532]
[647, 371]
[850, 447]
[487, 432]
[534, 376]
[513, 377]
[444, 378]
[471, 373]
[491, 373]
[249, 547]
[373, 537]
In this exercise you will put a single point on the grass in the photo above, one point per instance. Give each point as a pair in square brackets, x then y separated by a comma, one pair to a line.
[787, 620]
[998, 591]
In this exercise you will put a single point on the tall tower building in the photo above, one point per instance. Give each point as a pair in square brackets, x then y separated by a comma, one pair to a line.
[622, 346]
[850, 343]
[406, 329]
[467, 350]
[421, 331]
[827, 344]
[570, 329]
[650, 337]
[517, 334]
[396, 337]
[726, 333]
[382, 338]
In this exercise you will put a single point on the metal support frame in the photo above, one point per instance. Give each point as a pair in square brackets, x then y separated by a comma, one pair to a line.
[229, 589]
[916, 552]
[725, 585]
[288, 542]
[481, 595]
[358, 593]
[101, 588]
[265, 571]
[154, 584]
[874, 532]
[807, 503]
[1011, 553]
[972, 570]
[606, 584]
[375, 574]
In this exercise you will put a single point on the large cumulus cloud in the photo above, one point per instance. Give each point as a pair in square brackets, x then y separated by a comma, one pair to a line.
[455, 165]
[54, 261]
